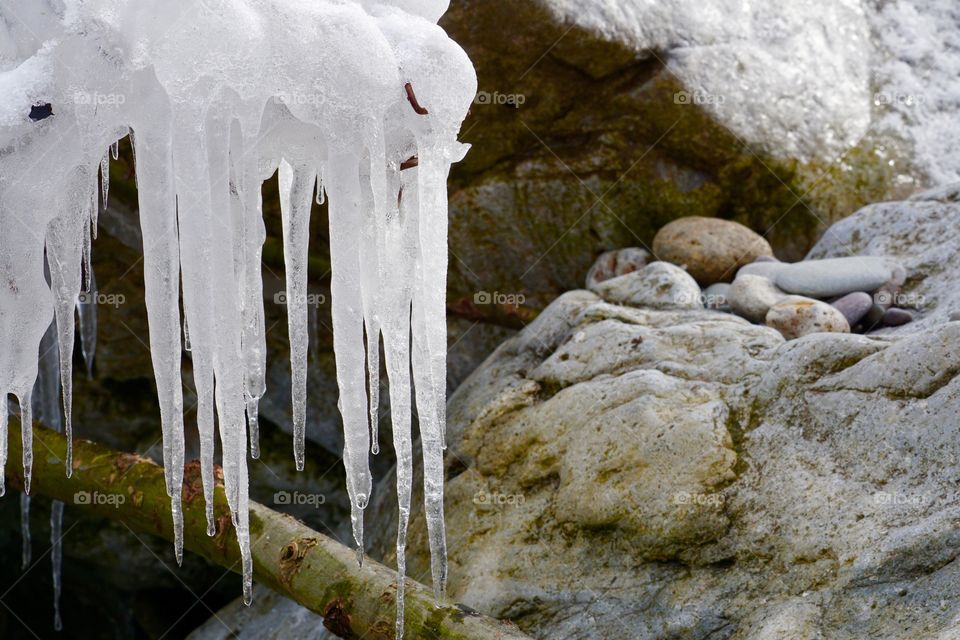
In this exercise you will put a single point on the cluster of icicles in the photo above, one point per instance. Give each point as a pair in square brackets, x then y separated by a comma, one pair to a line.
[357, 101]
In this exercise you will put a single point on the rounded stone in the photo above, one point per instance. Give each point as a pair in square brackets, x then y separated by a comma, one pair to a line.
[659, 285]
[955, 316]
[710, 249]
[717, 297]
[854, 306]
[835, 276]
[895, 317]
[796, 316]
[766, 269]
[872, 319]
[752, 296]
[618, 262]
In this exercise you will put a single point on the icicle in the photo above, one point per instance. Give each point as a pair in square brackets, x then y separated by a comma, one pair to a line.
[25, 531]
[65, 237]
[343, 185]
[87, 312]
[161, 260]
[115, 150]
[186, 335]
[56, 558]
[253, 340]
[26, 432]
[296, 196]
[398, 245]
[104, 184]
[429, 348]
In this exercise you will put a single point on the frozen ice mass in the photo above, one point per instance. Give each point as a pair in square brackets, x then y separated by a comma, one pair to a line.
[360, 102]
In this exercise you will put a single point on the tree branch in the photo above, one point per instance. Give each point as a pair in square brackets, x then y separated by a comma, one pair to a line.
[289, 557]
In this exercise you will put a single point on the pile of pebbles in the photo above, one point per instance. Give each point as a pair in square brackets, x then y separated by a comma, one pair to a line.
[736, 272]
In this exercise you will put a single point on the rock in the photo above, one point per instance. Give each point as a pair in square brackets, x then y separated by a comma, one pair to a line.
[710, 249]
[854, 306]
[795, 317]
[752, 296]
[955, 316]
[895, 317]
[835, 276]
[872, 319]
[831, 499]
[659, 285]
[923, 235]
[759, 268]
[615, 263]
[716, 297]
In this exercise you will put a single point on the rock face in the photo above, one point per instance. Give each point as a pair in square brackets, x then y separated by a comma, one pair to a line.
[659, 285]
[756, 488]
[710, 249]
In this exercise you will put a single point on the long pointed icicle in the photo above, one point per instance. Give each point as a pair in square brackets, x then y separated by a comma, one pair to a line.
[296, 197]
[65, 254]
[397, 244]
[161, 259]
[343, 187]
[26, 418]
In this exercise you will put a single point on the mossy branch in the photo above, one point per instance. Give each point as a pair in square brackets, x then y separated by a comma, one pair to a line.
[289, 557]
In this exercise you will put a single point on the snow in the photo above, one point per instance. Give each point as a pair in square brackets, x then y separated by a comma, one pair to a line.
[216, 99]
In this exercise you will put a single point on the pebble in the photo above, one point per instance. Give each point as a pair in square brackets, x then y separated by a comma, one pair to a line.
[765, 269]
[796, 316]
[872, 320]
[717, 297]
[659, 285]
[752, 296]
[955, 316]
[895, 317]
[711, 249]
[854, 306]
[835, 276]
[615, 263]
